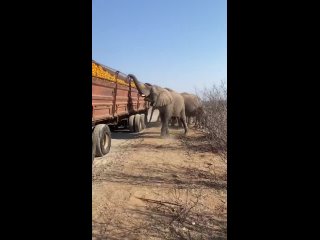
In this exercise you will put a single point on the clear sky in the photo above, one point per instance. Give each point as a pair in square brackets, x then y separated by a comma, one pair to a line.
[180, 44]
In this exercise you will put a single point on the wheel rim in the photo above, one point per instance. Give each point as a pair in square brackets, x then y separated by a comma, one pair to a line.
[105, 141]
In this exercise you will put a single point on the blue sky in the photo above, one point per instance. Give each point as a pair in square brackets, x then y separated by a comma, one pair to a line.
[180, 44]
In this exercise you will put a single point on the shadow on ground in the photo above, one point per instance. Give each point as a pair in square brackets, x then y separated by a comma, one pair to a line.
[182, 177]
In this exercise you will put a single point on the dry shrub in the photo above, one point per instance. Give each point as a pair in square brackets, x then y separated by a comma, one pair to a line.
[214, 118]
[184, 217]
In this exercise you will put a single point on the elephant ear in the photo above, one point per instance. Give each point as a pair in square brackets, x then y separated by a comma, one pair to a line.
[164, 98]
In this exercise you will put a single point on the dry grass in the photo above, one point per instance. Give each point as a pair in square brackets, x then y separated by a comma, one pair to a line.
[214, 117]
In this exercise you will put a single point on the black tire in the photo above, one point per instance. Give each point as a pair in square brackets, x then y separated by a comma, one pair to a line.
[102, 139]
[137, 123]
[131, 123]
[143, 120]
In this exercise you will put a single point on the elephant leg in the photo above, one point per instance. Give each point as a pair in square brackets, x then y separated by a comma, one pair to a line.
[184, 122]
[165, 125]
[180, 123]
[189, 121]
[195, 120]
[164, 129]
[176, 120]
[173, 120]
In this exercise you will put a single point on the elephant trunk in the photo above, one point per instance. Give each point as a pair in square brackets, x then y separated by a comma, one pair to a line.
[142, 88]
[151, 114]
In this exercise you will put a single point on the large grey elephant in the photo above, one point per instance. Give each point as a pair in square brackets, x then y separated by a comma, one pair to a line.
[169, 103]
[173, 119]
[193, 107]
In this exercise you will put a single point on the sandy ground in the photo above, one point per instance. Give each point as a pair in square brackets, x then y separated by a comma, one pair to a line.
[153, 188]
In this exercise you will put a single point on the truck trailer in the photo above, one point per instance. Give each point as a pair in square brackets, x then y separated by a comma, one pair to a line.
[116, 103]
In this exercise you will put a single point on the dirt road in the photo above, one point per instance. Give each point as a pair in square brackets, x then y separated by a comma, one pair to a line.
[153, 188]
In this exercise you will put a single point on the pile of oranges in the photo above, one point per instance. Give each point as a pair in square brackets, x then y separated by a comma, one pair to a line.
[98, 71]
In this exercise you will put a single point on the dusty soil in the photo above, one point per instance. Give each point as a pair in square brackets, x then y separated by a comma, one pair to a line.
[153, 188]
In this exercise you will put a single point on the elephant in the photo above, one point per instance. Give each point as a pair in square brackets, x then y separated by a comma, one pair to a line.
[173, 119]
[169, 103]
[193, 107]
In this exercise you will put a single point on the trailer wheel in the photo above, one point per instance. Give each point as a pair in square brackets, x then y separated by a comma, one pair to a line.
[102, 139]
[131, 123]
[137, 123]
[143, 120]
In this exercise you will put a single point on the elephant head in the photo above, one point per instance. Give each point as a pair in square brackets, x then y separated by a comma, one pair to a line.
[158, 96]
